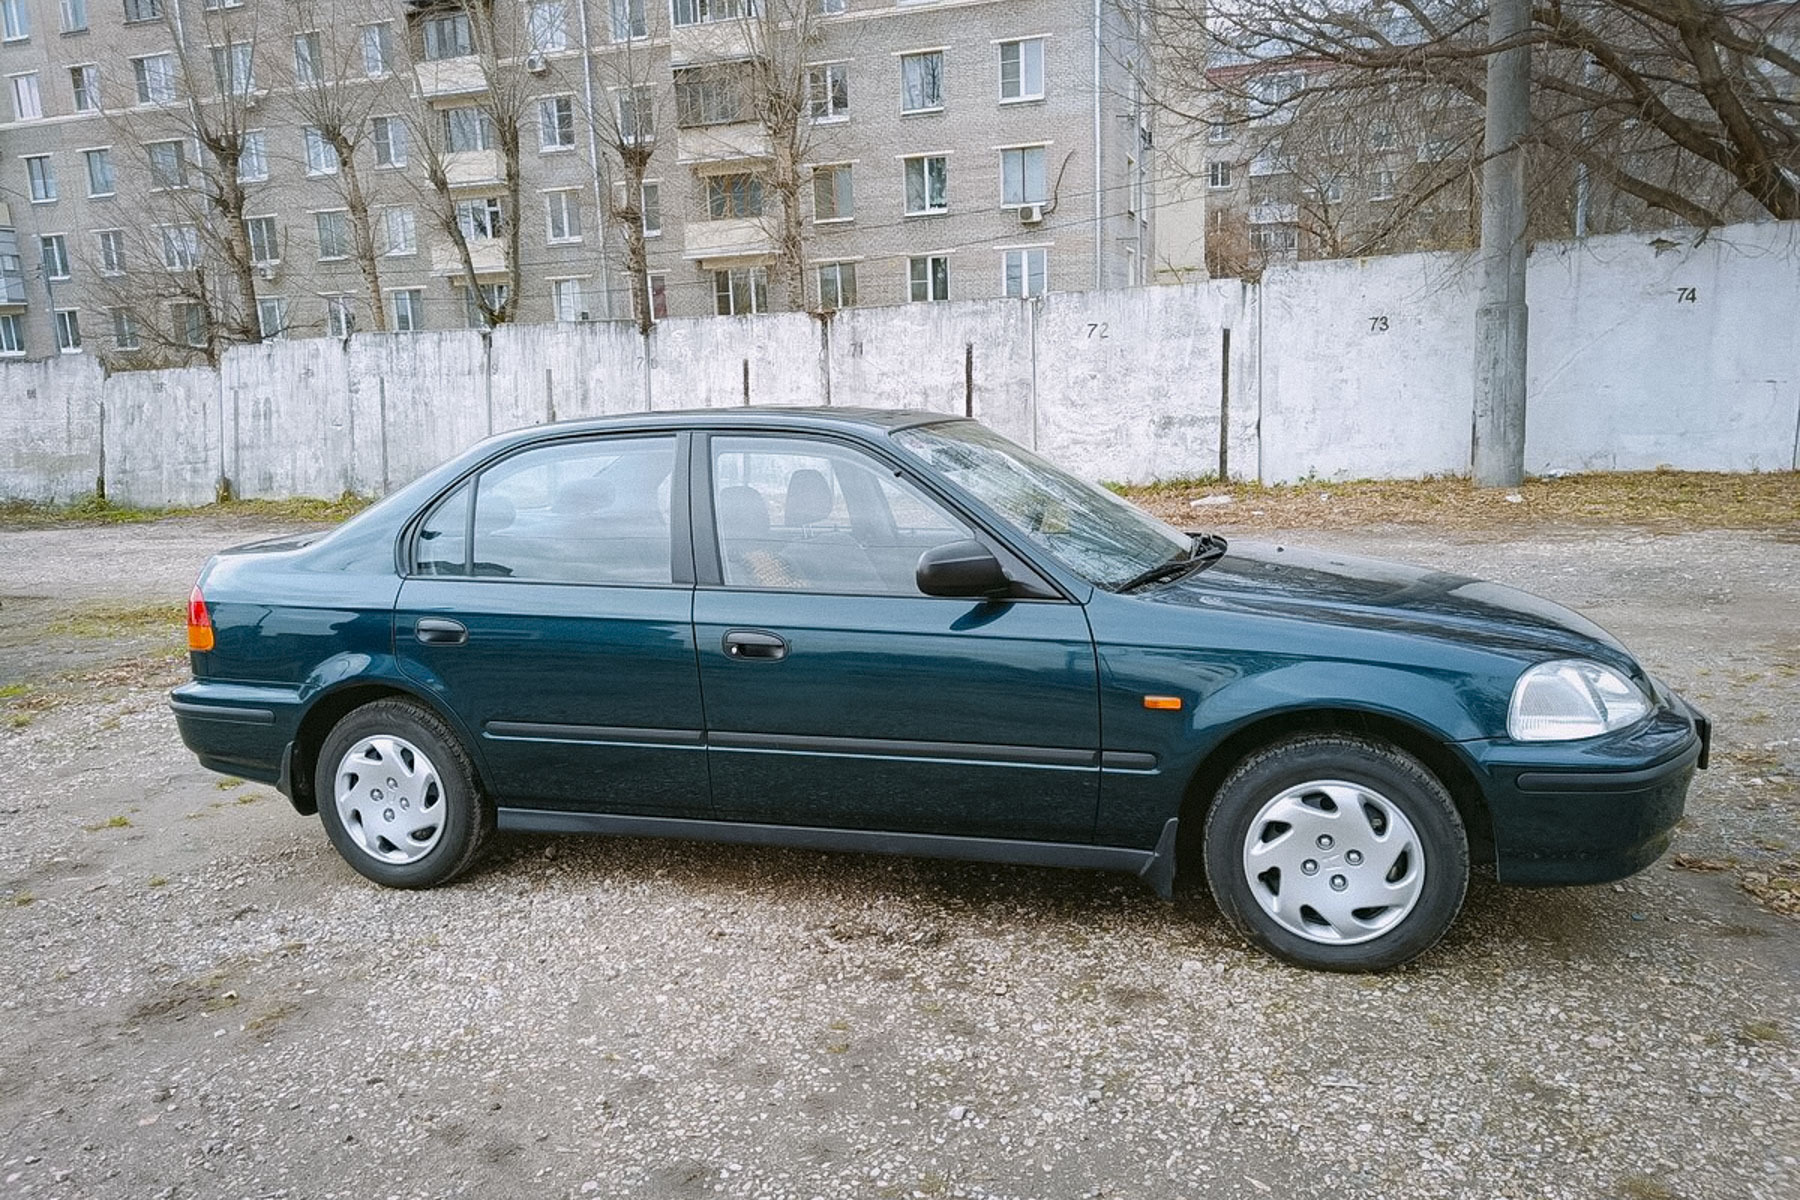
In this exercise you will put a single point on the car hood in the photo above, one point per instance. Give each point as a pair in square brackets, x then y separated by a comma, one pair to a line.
[1374, 594]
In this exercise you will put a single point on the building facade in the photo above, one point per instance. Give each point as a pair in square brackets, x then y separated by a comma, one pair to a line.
[178, 175]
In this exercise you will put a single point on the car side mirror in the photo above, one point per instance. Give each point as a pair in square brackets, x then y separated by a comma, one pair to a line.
[965, 568]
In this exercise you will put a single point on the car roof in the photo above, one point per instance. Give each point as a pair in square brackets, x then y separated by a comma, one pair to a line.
[760, 417]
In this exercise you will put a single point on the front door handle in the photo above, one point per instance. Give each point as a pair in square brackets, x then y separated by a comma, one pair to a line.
[440, 631]
[755, 643]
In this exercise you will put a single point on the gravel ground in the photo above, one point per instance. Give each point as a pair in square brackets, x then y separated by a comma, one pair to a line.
[203, 1001]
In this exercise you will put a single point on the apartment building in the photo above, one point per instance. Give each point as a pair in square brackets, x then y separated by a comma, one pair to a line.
[177, 175]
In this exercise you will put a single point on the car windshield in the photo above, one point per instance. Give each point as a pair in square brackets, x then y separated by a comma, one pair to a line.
[1094, 533]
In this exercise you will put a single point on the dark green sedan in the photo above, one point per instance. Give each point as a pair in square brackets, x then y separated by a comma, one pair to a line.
[899, 632]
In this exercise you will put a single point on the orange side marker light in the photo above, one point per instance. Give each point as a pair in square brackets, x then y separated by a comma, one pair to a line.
[199, 622]
[1172, 703]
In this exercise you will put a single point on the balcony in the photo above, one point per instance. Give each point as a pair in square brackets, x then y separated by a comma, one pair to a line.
[472, 169]
[12, 268]
[722, 143]
[742, 237]
[1270, 213]
[713, 41]
[488, 255]
[448, 78]
[1271, 164]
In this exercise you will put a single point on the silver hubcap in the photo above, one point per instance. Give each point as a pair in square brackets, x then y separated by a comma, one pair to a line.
[389, 799]
[1334, 862]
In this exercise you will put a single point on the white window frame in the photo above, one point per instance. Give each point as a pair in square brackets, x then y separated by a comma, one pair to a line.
[321, 156]
[68, 330]
[562, 206]
[256, 158]
[1024, 255]
[911, 56]
[162, 182]
[410, 317]
[377, 36]
[74, 16]
[40, 177]
[839, 216]
[906, 170]
[550, 121]
[557, 298]
[279, 327]
[553, 34]
[404, 218]
[340, 315]
[184, 242]
[646, 207]
[112, 250]
[84, 84]
[154, 86]
[15, 20]
[1218, 174]
[319, 233]
[55, 247]
[836, 270]
[271, 249]
[125, 329]
[930, 280]
[105, 159]
[629, 20]
[12, 335]
[834, 78]
[725, 287]
[382, 130]
[27, 96]
[1025, 199]
[1024, 94]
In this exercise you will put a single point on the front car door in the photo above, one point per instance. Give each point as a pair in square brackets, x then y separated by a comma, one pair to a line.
[549, 605]
[838, 695]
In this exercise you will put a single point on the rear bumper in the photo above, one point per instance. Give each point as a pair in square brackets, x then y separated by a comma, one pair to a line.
[238, 729]
[1596, 811]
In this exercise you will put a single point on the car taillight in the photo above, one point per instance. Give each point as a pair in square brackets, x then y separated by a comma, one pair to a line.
[200, 626]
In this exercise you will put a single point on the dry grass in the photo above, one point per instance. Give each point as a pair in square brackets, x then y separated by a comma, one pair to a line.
[1666, 501]
[95, 510]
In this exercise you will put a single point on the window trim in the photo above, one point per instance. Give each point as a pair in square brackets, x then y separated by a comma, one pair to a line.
[1024, 97]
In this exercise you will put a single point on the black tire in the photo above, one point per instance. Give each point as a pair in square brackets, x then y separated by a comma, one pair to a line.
[1400, 809]
[461, 814]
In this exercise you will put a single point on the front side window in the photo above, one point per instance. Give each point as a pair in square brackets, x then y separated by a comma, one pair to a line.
[564, 214]
[168, 164]
[447, 36]
[922, 81]
[55, 251]
[547, 25]
[101, 181]
[650, 205]
[565, 300]
[265, 240]
[125, 329]
[112, 251]
[637, 115]
[12, 334]
[334, 234]
[180, 247]
[191, 324]
[401, 227]
[927, 185]
[28, 103]
[803, 514]
[321, 155]
[253, 157]
[1022, 69]
[271, 316]
[340, 316]
[143, 10]
[234, 70]
[41, 178]
[587, 512]
[377, 49]
[467, 128]
[68, 330]
[709, 96]
[409, 310]
[703, 12]
[85, 82]
[15, 20]
[389, 135]
[629, 20]
[480, 219]
[1094, 533]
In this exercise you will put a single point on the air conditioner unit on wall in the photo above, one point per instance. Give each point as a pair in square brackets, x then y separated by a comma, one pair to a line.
[1031, 214]
[537, 64]
[266, 272]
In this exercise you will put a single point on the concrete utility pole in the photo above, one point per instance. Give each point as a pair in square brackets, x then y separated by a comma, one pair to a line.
[1497, 443]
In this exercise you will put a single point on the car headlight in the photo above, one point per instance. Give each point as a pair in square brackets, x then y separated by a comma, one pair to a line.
[1572, 698]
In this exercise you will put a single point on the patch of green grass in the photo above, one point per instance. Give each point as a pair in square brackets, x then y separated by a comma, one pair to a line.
[1641, 1187]
[97, 510]
[157, 881]
[12, 690]
[119, 822]
[229, 782]
[1763, 1031]
[121, 620]
[21, 899]
[19, 720]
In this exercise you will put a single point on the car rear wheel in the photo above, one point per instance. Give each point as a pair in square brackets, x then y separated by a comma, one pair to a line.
[399, 797]
[1337, 853]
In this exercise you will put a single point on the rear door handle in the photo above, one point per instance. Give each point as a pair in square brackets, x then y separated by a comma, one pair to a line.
[440, 631]
[754, 643]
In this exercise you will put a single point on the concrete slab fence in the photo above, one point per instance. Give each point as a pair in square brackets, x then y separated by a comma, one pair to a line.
[1645, 351]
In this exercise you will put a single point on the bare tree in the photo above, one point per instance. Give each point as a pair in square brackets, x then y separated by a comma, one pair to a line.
[1681, 107]
[786, 92]
[626, 125]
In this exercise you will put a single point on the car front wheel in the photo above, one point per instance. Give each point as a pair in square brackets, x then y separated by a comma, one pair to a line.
[399, 797]
[1337, 853]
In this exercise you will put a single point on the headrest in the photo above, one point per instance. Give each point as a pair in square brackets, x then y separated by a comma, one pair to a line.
[743, 514]
[581, 497]
[808, 498]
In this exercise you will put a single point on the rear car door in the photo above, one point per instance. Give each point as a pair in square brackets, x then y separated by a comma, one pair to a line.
[838, 695]
[549, 604]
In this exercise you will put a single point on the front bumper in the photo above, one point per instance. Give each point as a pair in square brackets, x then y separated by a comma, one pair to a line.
[1593, 811]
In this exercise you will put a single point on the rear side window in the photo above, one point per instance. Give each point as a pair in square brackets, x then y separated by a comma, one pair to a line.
[574, 512]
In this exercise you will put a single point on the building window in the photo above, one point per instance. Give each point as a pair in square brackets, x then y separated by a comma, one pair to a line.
[334, 234]
[253, 157]
[265, 240]
[495, 294]
[41, 178]
[125, 329]
[378, 49]
[1025, 273]
[180, 247]
[101, 181]
[637, 120]
[28, 102]
[928, 277]
[340, 316]
[927, 185]
[1218, 174]
[1275, 239]
[658, 282]
[321, 155]
[84, 81]
[1022, 70]
[408, 305]
[74, 16]
[15, 20]
[564, 221]
[447, 36]
[234, 71]
[547, 25]
[190, 324]
[467, 128]
[1218, 133]
[837, 286]
[12, 334]
[828, 91]
[1022, 176]
[628, 20]
[112, 251]
[271, 316]
[68, 330]
[922, 82]
[480, 219]
[831, 7]
[702, 12]
[708, 95]
[1330, 190]
[168, 164]
[834, 198]
[1381, 186]
[389, 136]
[401, 229]
[556, 123]
[741, 291]
[733, 196]
[650, 205]
[565, 300]
[55, 250]
[143, 10]
[1382, 136]
[155, 78]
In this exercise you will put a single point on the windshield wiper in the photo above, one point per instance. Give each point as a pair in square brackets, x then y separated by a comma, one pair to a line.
[1208, 548]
